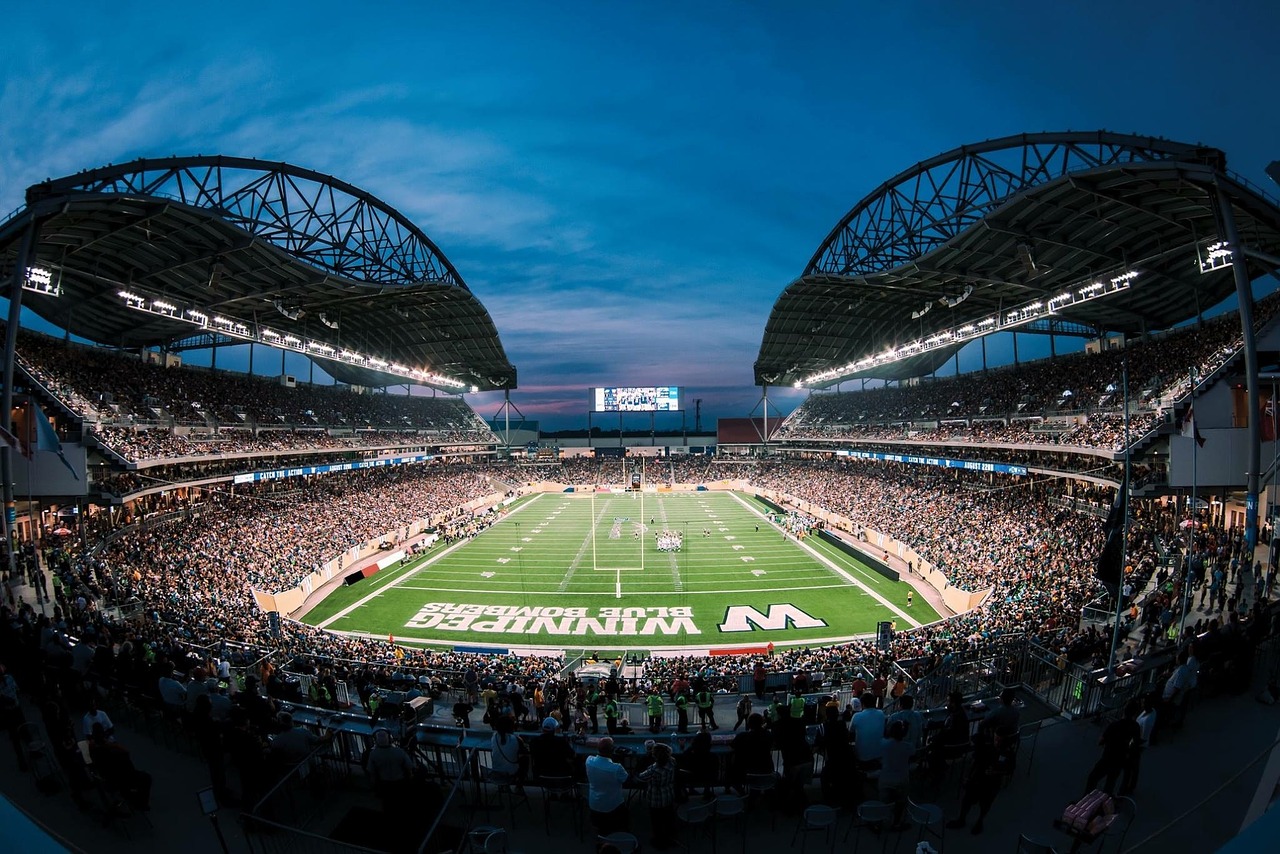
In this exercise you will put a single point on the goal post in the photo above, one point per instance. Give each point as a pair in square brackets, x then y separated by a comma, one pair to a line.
[622, 548]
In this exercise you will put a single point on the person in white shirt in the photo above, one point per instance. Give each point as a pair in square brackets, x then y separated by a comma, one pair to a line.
[605, 798]
[95, 716]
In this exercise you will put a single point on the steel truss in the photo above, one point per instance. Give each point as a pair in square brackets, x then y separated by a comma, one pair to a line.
[316, 218]
[924, 207]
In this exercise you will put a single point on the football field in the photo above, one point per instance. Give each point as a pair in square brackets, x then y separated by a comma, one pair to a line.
[699, 570]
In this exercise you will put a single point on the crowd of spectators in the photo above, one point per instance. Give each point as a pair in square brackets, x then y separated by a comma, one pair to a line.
[162, 443]
[194, 573]
[1000, 405]
[113, 387]
[1014, 536]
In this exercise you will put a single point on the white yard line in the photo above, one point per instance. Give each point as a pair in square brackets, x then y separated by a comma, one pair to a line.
[323, 624]
[838, 570]
[657, 591]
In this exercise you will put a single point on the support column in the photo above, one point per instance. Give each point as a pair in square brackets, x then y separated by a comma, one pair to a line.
[1244, 298]
[26, 253]
[250, 358]
[1015, 349]
[984, 353]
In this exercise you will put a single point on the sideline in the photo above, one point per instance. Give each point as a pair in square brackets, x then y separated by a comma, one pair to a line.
[324, 624]
[915, 624]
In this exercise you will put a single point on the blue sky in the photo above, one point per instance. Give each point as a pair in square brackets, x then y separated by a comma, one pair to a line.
[627, 187]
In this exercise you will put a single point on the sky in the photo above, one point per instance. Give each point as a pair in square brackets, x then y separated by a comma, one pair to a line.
[627, 187]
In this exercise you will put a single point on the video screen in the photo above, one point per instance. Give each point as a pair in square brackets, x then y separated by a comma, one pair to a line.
[662, 398]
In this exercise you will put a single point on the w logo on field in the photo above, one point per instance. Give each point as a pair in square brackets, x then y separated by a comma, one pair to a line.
[744, 618]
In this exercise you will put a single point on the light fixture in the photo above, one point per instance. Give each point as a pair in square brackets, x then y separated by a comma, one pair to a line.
[1028, 260]
[40, 280]
[293, 313]
[162, 307]
[952, 302]
[1011, 319]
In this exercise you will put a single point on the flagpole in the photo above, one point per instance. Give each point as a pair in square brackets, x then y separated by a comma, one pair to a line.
[1124, 536]
[1195, 473]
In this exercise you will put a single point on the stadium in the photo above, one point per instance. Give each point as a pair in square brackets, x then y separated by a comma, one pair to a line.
[358, 555]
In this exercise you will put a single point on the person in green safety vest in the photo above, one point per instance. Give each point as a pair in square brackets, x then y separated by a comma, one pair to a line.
[375, 702]
[654, 704]
[682, 713]
[319, 694]
[611, 716]
[706, 709]
[771, 711]
[593, 705]
[797, 707]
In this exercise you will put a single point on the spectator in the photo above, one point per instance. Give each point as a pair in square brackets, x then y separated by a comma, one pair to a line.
[552, 754]
[660, 794]
[605, 798]
[993, 761]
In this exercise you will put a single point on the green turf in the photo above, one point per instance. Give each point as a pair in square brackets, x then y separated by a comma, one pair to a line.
[621, 591]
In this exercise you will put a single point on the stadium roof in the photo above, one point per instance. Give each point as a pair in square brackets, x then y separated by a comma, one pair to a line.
[231, 249]
[1094, 232]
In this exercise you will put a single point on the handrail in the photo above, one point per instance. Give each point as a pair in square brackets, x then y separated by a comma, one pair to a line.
[470, 759]
[284, 778]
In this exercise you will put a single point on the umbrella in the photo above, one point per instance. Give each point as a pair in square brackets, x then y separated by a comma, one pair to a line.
[62, 532]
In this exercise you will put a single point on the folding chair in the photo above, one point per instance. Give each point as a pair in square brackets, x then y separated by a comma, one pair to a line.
[816, 818]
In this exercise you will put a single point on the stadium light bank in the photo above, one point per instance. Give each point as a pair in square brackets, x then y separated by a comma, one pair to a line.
[1003, 322]
[259, 334]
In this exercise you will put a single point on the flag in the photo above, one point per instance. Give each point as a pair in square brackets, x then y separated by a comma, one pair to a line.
[1190, 429]
[1110, 570]
[46, 438]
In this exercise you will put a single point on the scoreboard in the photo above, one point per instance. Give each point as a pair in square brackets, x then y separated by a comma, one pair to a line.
[661, 398]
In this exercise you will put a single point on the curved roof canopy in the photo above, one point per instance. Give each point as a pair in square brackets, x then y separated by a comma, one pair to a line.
[232, 249]
[1099, 232]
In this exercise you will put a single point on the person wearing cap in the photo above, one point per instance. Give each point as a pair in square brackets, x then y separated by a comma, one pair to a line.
[605, 798]
[552, 754]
